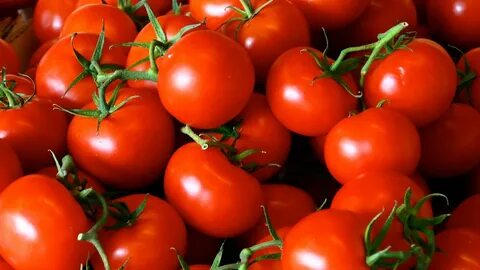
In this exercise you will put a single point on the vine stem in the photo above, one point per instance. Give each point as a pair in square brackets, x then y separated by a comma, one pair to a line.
[188, 131]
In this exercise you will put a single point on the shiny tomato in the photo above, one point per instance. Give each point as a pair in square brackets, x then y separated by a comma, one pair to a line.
[419, 82]
[269, 264]
[91, 182]
[321, 240]
[275, 29]
[302, 102]
[205, 79]
[451, 144]
[119, 28]
[49, 17]
[8, 57]
[11, 168]
[171, 25]
[373, 140]
[471, 94]
[108, 154]
[159, 7]
[147, 243]
[214, 12]
[53, 79]
[40, 52]
[39, 224]
[212, 195]
[455, 21]
[4, 265]
[459, 249]
[462, 216]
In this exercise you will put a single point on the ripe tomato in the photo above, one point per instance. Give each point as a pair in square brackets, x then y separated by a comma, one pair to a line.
[159, 7]
[39, 225]
[147, 243]
[459, 249]
[303, 104]
[286, 205]
[455, 21]
[4, 265]
[200, 267]
[331, 14]
[419, 82]
[447, 149]
[269, 264]
[53, 79]
[91, 182]
[373, 140]
[40, 52]
[119, 28]
[8, 57]
[214, 12]
[171, 25]
[321, 240]
[275, 29]
[462, 216]
[471, 95]
[49, 17]
[11, 168]
[206, 188]
[205, 79]
[108, 154]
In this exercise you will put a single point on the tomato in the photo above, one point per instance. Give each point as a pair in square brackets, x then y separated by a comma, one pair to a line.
[205, 79]
[200, 267]
[460, 249]
[321, 240]
[331, 14]
[4, 265]
[214, 12]
[419, 82]
[53, 80]
[8, 57]
[91, 182]
[303, 104]
[171, 25]
[40, 52]
[206, 188]
[147, 243]
[119, 28]
[159, 7]
[373, 140]
[421, 182]
[39, 225]
[286, 205]
[108, 155]
[471, 95]
[49, 18]
[269, 264]
[447, 149]
[275, 29]
[201, 248]
[455, 21]
[462, 216]
[11, 168]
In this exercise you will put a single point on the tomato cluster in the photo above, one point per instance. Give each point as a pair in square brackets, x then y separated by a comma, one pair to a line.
[301, 134]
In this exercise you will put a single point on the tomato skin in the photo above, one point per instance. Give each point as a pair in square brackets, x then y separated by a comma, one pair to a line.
[461, 250]
[91, 182]
[306, 106]
[119, 28]
[319, 241]
[159, 7]
[200, 267]
[277, 28]
[4, 265]
[171, 25]
[330, 14]
[269, 264]
[109, 155]
[40, 52]
[53, 80]
[147, 244]
[11, 168]
[419, 82]
[462, 216]
[455, 21]
[447, 150]
[49, 18]
[8, 57]
[205, 188]
[373, 140]
[473, 58]
[205, 79]
[215, 12]
[39, 224]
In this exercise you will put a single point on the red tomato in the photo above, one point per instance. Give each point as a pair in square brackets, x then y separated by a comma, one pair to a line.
[303, 104]
[331, 14]
[286, 205]
[455, 21]
[214, 12]
[11, 168]
[119, 28]
[321, 240]
[462, 216]
[40, 52]
[447, 149]
[473, 97]
[269, 264]
[421, 182]
[53, 79]
[206, 188]
[171, 25]
[4, 265]
[91, 182]
[460, 249]
[39, 225]
[205, 79]
[201, 248]
[49, 17]
[8, 57]
[275, 29]
[373, 140]
[109, 155]
[419, 82]
[159, 7]
[147, 243]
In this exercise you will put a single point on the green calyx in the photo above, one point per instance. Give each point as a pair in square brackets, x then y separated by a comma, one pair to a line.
[8, 98]
[466, 79]
[244, 15]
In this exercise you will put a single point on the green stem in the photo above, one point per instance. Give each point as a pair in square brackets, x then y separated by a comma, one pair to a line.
[152, 59]
[247, 7]
[233, 266]
[189, 132]
[246, 253]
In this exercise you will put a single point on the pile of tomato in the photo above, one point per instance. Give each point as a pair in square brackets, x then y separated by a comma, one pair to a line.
[243, 134]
